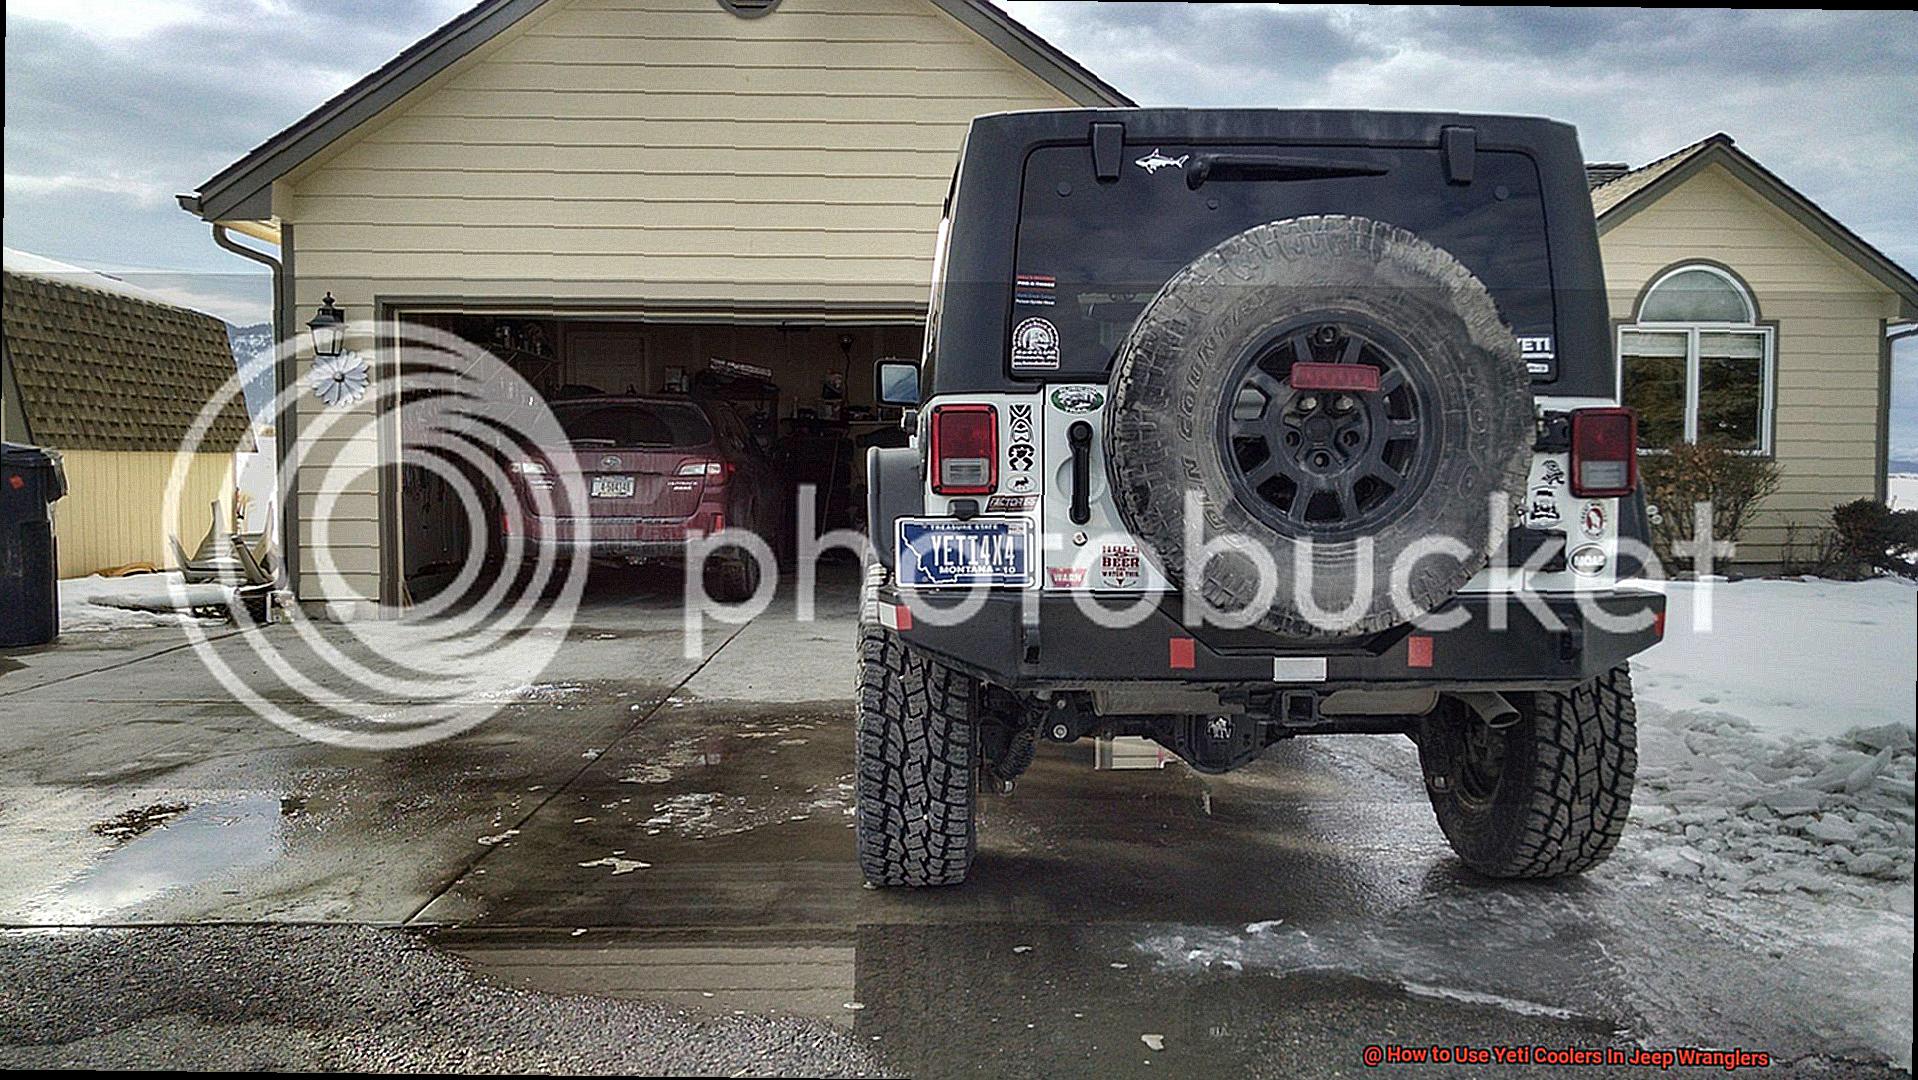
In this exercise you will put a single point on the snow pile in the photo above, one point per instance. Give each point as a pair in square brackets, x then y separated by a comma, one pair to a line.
[96, 603]
[1744, 811]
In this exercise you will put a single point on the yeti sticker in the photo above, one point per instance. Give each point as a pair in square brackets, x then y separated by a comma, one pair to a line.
[1155, 161]
[1035, 346]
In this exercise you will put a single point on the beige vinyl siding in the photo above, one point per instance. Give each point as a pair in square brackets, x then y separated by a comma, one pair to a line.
[1827, 313]
[644, 151]
[115, 509]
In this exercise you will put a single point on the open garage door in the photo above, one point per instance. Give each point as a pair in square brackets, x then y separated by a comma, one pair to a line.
[794, 394]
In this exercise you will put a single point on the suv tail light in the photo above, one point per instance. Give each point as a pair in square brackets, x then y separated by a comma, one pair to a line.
[965, 449]
[721, 470]
[1604, 453]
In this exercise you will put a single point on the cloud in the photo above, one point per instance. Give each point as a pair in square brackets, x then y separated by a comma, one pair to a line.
[1824, 99]
[115, 105]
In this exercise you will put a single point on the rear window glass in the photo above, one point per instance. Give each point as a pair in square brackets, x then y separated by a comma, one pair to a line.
[1090, 254]
[633, 423]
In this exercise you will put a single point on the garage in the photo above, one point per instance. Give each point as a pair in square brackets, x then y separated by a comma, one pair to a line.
[799, 390]
[613, 196]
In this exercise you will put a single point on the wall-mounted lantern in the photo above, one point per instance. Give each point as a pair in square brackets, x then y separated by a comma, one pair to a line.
[328, 329]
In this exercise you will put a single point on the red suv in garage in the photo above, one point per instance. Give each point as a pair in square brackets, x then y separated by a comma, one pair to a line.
[655, 471]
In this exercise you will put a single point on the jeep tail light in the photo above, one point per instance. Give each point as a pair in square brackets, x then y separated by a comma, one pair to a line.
[1604, 453]
[965, 449]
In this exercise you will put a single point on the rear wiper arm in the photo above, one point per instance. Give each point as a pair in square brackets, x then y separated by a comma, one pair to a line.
[1261, 167]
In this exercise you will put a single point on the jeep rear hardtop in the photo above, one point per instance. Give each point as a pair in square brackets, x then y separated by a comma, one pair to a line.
[1062, 198]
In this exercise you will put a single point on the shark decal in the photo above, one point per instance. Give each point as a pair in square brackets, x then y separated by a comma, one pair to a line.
[1155, 161]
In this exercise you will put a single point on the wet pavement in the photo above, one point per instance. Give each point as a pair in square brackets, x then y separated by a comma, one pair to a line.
[643, 863]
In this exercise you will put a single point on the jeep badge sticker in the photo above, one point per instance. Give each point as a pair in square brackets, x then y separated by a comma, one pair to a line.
[1078, 399]
[1034, 289]
[1035, 346]
[1552, 474]
[1155, 161]
[1543, 509]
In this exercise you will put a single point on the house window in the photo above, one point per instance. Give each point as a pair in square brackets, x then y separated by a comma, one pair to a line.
[1696, 364]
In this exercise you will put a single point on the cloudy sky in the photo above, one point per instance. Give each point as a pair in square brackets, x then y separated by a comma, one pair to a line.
[114, 105]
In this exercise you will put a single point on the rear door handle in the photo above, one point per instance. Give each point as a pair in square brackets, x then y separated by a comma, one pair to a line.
[1080, 436]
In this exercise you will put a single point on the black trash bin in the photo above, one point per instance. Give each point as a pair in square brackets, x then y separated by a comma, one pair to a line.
[30, 481]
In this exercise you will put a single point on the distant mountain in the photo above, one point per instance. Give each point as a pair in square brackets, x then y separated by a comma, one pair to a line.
[250, 343]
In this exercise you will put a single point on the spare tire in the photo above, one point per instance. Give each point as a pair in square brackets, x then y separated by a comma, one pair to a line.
[1343, 485]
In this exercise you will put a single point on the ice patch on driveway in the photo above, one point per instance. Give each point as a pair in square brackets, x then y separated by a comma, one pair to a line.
[1532, 953]
[619, 866]
[1473, 997]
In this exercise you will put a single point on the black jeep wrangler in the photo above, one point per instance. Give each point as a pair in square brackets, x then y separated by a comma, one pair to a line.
[1239, 425]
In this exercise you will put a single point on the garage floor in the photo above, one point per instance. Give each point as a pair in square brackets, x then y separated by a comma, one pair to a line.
[644, 863]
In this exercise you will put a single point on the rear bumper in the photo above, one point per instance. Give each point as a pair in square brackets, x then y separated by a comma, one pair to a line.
[1040, 642]
[629, 538]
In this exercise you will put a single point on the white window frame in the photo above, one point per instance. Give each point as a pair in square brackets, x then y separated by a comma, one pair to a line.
[1768, 363]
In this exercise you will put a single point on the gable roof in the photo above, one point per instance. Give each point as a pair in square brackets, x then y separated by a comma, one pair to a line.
[1617, 199]
[244, 188]
[100, 369]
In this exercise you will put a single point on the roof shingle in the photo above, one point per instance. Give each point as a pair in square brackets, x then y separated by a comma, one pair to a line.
[100, 370]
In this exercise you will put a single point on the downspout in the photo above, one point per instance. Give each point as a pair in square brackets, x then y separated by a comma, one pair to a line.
[285, 424]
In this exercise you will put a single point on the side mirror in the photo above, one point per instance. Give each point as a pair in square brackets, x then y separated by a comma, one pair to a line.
[896, 382]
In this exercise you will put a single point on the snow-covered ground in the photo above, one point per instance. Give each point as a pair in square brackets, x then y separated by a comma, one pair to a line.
[1793, 657]
[1902, 491]
[96, 603]
[1763, 892]
[1776, 774]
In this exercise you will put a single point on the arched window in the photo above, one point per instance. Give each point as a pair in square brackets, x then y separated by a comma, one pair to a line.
[1696, 363]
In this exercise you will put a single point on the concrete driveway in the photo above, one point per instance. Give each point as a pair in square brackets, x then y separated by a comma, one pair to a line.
[643, 863]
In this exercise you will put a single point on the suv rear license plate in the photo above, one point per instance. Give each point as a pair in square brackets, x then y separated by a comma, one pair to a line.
[945, 553]
[612, 487]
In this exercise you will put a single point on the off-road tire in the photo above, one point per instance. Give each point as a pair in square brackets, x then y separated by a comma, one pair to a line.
[917, 742]
[1177, 369]
[1563, 791]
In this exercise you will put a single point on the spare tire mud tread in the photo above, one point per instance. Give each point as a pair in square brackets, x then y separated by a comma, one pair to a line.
[1166, 389]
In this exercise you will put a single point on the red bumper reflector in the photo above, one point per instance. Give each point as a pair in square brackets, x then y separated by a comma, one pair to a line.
[1418, 651]
[1307, 375]
[1184, 654]
[902, 617]
[1658, 625]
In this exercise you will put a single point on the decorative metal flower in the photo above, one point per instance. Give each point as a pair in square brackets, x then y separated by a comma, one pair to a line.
[339, 380]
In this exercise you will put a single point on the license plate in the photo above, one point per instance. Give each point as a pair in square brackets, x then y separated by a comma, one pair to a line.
[946, 553]
[612, 487]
